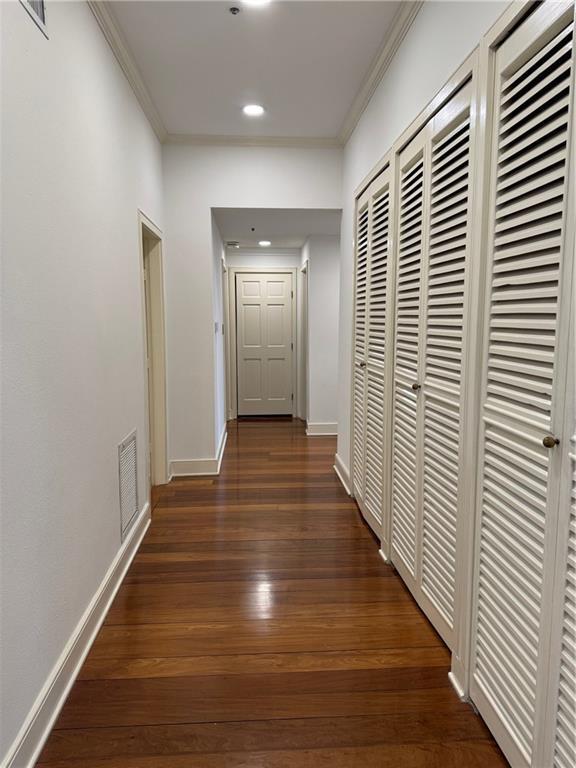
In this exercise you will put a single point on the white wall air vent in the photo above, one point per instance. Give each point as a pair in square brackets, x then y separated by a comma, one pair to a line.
[128, 481]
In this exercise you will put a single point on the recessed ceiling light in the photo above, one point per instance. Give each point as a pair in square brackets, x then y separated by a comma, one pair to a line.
[264, 243]
[253, 110]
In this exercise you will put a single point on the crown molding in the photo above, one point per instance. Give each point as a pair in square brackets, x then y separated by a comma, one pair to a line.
[111, 31]
[302, 142]
[117, 42]
[392, 41]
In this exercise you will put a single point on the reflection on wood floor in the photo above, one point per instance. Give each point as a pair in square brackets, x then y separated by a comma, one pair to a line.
[259, 628]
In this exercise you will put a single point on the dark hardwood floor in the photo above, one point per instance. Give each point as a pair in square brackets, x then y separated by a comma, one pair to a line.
[259, 628]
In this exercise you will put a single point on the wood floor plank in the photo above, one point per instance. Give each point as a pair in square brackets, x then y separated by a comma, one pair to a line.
[264, 636]
[236, 737]
[242, 664]
[258, 628]
[145, 704]
[453, 754]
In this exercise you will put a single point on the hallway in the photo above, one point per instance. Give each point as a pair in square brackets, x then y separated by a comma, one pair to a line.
[258, 626]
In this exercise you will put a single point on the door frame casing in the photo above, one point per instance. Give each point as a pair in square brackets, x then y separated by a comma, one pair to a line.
[231, 330]
[155, 381]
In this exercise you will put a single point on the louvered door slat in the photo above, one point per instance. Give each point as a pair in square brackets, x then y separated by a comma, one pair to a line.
[531, 135]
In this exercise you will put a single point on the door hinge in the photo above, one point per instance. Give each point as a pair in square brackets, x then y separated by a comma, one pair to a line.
[291, 345]
[292, 396]
[291, 294]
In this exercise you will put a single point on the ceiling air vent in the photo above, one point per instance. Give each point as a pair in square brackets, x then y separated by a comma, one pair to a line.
[232, 244]
[128, 481]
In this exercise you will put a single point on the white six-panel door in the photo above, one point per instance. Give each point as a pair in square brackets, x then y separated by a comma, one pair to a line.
[264, 344]
[524, 380]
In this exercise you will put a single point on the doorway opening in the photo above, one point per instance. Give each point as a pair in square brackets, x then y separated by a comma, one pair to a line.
[263, 325]
[154, 348]
[280, 273]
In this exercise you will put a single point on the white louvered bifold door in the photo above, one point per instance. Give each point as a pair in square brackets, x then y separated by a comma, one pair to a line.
[525, 363]
[359, 352]
[431, 316]
[405, 477]
[376, 358]
[444, 330]
[370, 353]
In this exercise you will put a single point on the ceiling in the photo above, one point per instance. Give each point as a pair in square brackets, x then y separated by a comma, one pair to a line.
[305, 62]
[285, 228]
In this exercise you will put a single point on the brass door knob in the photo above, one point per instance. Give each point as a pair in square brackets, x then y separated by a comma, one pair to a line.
[550, 441]
[416, 386]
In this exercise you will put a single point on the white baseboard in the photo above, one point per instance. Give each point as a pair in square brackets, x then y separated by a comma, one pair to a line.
[221, 447]
[29, 742]
[343, 474]
[321, 428]
[187, 467]
[385, 557]
[457, 686]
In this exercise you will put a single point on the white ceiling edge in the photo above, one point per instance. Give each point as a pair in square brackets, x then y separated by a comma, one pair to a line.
[115, 38]
[255, 249]
[253, 141]
[116, 41]
[400, 25]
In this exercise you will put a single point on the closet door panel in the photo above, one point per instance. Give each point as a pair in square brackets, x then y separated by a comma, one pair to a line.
[431, 315]
[405, 430]
[443, 340]
[376, 353]
[359, 352]
[517, 507]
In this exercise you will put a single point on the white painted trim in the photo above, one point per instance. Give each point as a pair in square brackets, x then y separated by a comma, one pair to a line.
[155, 380]
[115, 38]
[316, 428]
[400, 25]
[36, 728]
[35, 18]
[198, 467]
[221, 448]
[343, 474]
[385, 557]
[458, 687]
[301, 142]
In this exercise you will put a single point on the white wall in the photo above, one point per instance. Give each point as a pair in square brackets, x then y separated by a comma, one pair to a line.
[78, 160]
[218, 256]
[196, 179]
[264, 258]
[322, 254]
[441, 37]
